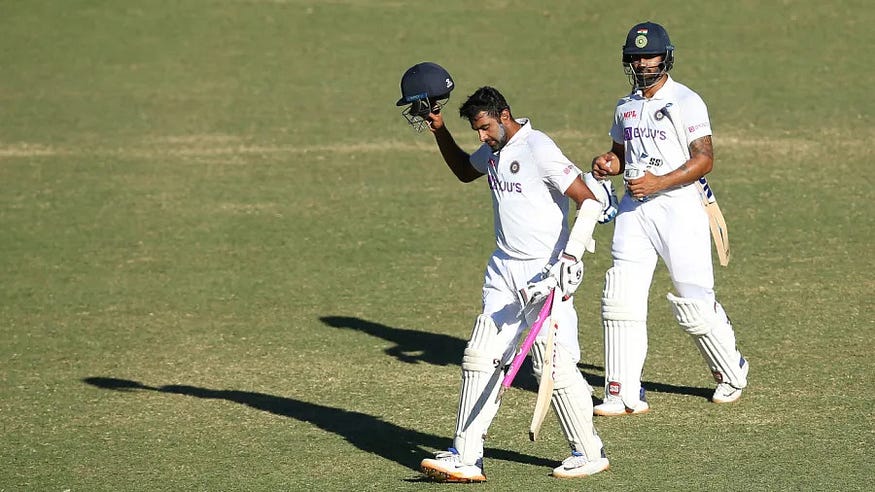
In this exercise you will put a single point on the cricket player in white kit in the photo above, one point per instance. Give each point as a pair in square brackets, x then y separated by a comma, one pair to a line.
[531, 182]
[662, 145]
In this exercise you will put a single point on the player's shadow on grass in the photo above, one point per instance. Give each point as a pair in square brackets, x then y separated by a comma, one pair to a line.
[368, 433]
[597, 380]
[413, 346]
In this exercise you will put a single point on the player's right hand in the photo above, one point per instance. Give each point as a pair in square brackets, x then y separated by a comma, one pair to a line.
[603, 165]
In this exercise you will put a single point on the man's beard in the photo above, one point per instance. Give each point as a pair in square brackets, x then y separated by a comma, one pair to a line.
[502, 138]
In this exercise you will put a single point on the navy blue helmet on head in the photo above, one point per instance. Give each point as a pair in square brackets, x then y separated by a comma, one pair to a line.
[426, 88]
[647, 39]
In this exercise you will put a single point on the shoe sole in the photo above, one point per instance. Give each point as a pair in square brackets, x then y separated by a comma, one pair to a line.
[445, 477]
[608, 466]
[605, 413]
[734, 398]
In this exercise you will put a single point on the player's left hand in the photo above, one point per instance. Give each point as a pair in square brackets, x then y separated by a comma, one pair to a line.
[642, 187]
[568, 272]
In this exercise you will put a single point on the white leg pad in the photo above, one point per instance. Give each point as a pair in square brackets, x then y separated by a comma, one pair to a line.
[481, 377]
[713, 336]
[624, 317]
[572, 402]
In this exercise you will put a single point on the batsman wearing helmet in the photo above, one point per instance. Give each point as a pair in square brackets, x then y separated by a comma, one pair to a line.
[662, 146]
[530, 181]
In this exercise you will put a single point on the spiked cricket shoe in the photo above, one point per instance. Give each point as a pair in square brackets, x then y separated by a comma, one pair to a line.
[447, 466]
[577, 466]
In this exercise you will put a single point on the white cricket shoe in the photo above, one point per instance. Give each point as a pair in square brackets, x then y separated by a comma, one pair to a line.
[725, 392]
[613, 406]
[446, 466]
[577, 466]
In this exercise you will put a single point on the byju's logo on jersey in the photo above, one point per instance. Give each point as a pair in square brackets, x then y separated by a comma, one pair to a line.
[508, 186]
[629, 133]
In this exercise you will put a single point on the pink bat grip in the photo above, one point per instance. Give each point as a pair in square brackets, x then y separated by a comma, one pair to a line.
[527, 343]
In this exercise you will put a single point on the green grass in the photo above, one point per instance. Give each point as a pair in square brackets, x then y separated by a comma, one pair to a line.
[228, 265]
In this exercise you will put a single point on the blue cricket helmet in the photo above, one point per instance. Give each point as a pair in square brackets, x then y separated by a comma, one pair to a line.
[426, 88]
[647, 38]
[425, 80]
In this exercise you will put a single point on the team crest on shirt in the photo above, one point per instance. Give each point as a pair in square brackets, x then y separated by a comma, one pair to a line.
[515, 167]
[660, 114]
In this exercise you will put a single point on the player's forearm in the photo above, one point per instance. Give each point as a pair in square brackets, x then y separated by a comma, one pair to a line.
[456, 158]
[688, 173]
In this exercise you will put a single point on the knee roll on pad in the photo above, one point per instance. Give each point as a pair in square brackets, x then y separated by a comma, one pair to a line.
[619, 299]
[539, 353]
[565, 372]
[481, 353]
[692, 314]
[571, 399]
[714, 338]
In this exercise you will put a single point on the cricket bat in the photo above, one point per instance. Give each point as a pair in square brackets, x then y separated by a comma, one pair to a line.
[719, 231]
[526, 345]
[545, 386]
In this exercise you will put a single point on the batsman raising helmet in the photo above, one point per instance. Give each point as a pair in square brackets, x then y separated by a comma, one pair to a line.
[662, 146]
[530, 181]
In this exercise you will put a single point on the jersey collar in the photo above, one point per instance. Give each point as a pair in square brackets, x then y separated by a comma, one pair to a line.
[521, 134]
[664, 92]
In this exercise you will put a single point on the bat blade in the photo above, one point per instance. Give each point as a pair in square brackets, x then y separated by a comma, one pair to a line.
[719, 232]
[545, 387]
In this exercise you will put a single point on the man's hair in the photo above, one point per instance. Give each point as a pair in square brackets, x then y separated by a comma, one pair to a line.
[486, 99]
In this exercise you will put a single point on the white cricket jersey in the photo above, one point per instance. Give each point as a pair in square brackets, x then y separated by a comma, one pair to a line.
[528, 179]
[656, 132]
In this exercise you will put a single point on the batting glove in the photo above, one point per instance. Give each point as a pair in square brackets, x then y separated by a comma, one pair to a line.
[603, 190]
[610, 210]
[568, 272]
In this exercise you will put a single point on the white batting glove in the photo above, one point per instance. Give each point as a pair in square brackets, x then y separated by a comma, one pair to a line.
[535, 292]
[568, 272]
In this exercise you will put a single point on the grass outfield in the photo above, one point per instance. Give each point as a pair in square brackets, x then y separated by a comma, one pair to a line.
[227, 264]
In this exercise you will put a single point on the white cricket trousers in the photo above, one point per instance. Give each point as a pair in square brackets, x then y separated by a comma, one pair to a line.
[503, 279]
[673, 226]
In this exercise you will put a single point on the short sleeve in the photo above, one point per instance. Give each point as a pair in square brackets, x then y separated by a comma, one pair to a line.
[557, 170]
[696, 122]
[480, 159]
